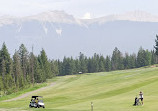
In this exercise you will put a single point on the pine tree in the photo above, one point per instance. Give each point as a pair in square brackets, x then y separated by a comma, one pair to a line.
[83, 63]
[90, 65]
[156, 46]
[73, 65]
[32, 67]
[60, 67]
[23, 53]
[117, 60]
[78, 65]
[4, 55]
[54, 68]
[68, 67]
[42, 71]
[45, 64]
[107, 64]
[38, 71]
[5, 68]
[4, 78]
[17, 71]
[126, 61]
[148, 58]
[141, 57]
[153, 59]
[96, 62]
[101, 64]
[132, 61]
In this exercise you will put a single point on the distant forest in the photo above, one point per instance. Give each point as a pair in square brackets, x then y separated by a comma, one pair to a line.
[25, 68]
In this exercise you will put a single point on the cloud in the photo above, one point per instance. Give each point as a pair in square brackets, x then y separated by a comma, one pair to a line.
[87, 16]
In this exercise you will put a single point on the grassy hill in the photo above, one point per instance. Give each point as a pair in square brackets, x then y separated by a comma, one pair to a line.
[109, 91]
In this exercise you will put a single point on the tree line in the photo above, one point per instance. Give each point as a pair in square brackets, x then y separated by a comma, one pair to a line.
[117, 61]
[25, 68]
[99, 63]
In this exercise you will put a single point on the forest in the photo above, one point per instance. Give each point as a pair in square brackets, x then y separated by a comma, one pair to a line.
[25, 68]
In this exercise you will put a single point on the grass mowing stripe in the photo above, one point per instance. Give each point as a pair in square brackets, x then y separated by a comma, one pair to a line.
[113, 92]
[123, 90]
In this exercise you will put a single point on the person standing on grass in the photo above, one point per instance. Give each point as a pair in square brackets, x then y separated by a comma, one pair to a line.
[141, 96]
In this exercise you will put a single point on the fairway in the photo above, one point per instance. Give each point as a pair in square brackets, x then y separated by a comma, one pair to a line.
[109, 91]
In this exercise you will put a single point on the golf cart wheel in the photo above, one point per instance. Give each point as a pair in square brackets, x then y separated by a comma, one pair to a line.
[43, 106]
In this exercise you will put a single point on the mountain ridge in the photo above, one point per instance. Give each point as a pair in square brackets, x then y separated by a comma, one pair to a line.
[67, 37]
[63, 17]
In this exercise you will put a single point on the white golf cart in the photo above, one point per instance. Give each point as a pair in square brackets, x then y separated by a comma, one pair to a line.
[36, 102]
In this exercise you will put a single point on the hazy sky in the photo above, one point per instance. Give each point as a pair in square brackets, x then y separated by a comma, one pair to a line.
[78, 8]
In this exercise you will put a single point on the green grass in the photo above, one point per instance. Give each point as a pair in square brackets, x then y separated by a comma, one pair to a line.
[109, 91]
[31, 88]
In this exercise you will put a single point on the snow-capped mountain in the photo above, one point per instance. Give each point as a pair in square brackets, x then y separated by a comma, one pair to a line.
[62, 17]
[61, 34]
[54, 16]
[139, 16]
[50, 16]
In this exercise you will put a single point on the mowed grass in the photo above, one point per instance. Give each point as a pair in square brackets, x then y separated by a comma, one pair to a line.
[109, 91]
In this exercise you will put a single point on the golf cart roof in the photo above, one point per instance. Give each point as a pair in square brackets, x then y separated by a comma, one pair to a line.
[37, 96]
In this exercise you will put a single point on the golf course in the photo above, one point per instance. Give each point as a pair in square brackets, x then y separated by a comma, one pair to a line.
[108, 91]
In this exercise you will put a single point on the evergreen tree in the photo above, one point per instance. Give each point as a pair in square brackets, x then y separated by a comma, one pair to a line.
[156, 46]
[42, 73]
[77, 65]
[141, 56]
[23, 53]
[3, 71]
[46, 66]
[148, 57]
[83, 63]
[95, 61]
[64, 64]
[126, 61]
[90, 65]
[17, 71]
[10, 84]
[107, 64]
[4, 55]
[32, 67]
[117, 60]
[153, 57]
[132, 61]
[101, 64]
[54, 68]
[5, 68]
[73, 65]
[39, 76]
[60, 67]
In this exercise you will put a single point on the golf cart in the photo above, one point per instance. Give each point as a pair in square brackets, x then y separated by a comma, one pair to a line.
[36, 102]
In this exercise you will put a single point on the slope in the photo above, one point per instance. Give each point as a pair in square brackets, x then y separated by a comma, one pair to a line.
[109, 91]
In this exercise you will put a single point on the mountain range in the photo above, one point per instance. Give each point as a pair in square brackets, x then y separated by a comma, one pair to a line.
[61, 34]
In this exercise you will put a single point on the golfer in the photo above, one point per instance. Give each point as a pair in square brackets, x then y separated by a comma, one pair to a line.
[141, 96]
